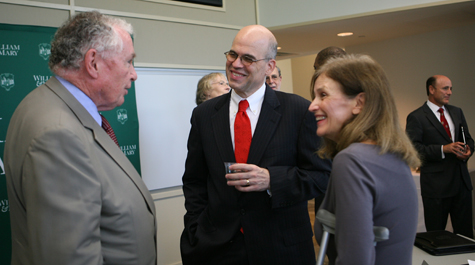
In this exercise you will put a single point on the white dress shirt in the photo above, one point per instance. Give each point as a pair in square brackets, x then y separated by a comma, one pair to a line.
[435, 109]
[253, 111]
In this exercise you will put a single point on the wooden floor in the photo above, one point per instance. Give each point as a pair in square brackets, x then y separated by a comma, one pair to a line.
[311, 212]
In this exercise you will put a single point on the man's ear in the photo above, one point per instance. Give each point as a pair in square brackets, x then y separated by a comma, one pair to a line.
[270, 66]
[91, 63]
[431, 90]
[359, 103]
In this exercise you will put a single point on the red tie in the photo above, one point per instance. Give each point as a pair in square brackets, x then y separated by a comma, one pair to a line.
[242, 133]
[107, 127]
[444, 122]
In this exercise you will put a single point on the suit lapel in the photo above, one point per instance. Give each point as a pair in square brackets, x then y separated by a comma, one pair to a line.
[102, 138]
[435, 122]
[266, 125]
[219, 121]
[457, 122]
[268, 121]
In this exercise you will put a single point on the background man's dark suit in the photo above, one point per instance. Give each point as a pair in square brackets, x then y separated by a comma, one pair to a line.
[276, 228]
[440, 178]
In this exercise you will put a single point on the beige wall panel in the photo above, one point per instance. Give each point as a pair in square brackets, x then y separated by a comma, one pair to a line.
[409, 61]
[302, 71]
[286, 71]
[169, 206]
[275, 13]
[176, 43]
[26, 15]
[240, 13]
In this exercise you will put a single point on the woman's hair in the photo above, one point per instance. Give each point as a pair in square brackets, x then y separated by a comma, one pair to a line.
[204, 87]
[378, 119]
[88, 30]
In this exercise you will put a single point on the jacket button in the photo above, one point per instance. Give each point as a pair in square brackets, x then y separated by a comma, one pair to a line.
[243, 212]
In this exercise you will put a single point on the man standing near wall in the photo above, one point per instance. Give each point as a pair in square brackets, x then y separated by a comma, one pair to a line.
[258, 214]
[440, 134]
[74, 196]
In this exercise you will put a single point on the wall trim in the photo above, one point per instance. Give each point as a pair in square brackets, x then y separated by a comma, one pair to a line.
[178, 66]
[167, 193]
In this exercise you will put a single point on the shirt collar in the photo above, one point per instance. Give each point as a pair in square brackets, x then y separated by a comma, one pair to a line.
[85, 101]
[434, 107]
[255, 100]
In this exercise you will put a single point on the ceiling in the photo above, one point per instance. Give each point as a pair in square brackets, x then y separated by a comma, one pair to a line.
[310, 38]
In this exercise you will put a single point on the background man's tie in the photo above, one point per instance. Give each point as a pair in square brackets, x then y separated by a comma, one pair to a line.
[444, 122]
[107, 127]
[242, 133]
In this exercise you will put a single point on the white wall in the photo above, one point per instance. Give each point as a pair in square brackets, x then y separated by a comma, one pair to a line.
[275, 13]
[286, 72]
[302, 71]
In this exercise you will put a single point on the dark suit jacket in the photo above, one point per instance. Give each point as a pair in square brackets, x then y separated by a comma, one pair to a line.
[440, 178]
[277, 228]
[74, 196]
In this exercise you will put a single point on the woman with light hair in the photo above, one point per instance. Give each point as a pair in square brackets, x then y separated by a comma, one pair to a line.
[210, 86]
[371, 183]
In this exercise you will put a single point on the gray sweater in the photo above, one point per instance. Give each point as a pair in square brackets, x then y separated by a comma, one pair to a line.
[367, 189]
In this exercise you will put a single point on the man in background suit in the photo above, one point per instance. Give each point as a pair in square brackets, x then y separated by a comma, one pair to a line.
[74, 196]
[274, 80]
[445, 181]
[322, 57]
[258, 215]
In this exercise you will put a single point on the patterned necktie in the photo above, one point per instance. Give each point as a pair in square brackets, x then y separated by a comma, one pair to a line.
[107, 127]
[242, 133]
[444, 122]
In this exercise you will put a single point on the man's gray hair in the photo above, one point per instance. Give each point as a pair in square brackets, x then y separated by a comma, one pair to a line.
[85, 31]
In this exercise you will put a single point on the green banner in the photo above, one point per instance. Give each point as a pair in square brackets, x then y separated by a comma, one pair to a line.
[24, 54]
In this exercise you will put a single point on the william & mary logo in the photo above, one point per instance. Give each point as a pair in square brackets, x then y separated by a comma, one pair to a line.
[44, 50]
[7, 81]
[122, 116]
[9, 49]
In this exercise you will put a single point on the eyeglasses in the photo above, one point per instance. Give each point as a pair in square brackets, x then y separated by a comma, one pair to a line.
[221, 83]
[272, 77]
[245, 59]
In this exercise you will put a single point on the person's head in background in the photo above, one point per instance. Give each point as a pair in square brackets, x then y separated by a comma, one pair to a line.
[322, 58]
[439, 89]
[274, 80]
[353, 104]
[211, 86]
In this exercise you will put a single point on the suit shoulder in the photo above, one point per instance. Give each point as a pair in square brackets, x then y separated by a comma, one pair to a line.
[210, 107]
[292, 98]
[416, 111]
[452, 108]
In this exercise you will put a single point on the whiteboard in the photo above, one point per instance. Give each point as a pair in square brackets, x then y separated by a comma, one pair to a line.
[165, 101]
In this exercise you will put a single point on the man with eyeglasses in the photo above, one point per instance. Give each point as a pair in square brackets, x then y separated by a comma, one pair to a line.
[257, 214]
[274, 80]
[440, 134]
